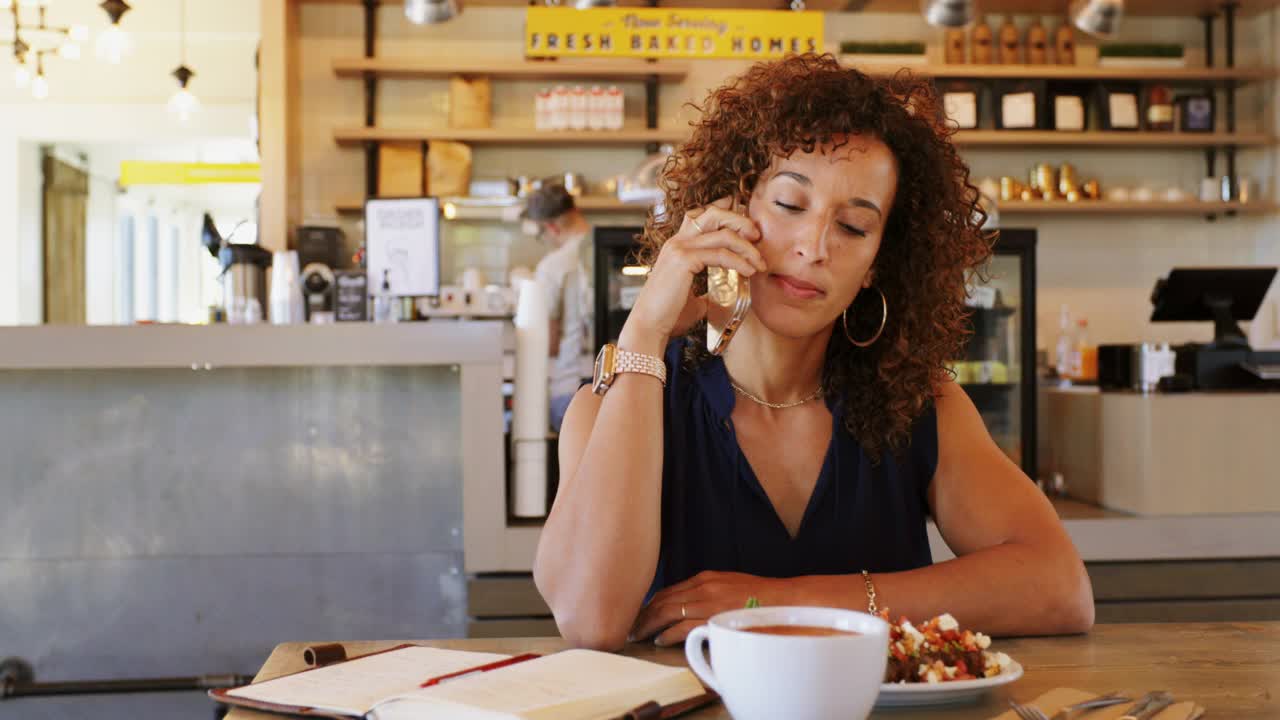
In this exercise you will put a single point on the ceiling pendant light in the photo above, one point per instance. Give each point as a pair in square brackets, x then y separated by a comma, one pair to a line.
[949, 13]
[430, 12]
[39, 85]
[183, 103]
[1099, 18]
[114, 43]
[34, 38]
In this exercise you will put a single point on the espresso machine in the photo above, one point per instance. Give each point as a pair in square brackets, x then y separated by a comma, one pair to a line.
[319, 290]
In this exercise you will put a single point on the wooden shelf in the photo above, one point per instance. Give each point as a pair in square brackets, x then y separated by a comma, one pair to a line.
[1111, 139]
[963, 138]
[1198, 75]
[587, 203]
[619, 69]
[1159, 8]
[1109, 207]
[609, 204]
[510, 136]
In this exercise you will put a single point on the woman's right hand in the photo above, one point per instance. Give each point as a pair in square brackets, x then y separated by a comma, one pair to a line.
[714, 236]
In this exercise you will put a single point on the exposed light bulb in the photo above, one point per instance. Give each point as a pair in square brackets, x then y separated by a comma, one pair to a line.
[184, 104]
[69, 51]
[21, 76]
[113, 44]
[79, 33]
[39, 88]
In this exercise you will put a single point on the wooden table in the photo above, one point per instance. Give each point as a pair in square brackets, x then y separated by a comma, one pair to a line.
[1233, 669]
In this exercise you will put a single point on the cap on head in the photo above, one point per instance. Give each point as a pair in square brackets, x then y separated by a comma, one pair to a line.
[548, 203]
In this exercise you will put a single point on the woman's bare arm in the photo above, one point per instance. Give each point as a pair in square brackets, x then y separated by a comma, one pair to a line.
[599, 547]
[1016, 571]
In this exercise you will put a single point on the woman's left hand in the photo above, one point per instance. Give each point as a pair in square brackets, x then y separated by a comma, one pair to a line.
[676, 610]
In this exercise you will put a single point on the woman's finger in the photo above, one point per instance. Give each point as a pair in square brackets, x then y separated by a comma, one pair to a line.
[656, 617]
[677, 633]
[713, 218]
[700, 259]
[733, 241]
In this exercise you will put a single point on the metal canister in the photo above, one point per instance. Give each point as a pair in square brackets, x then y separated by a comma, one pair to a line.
[1009, 189]
[1045, 180]
[1067, 183]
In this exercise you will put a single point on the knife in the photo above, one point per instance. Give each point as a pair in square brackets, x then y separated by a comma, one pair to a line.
[1147, 707]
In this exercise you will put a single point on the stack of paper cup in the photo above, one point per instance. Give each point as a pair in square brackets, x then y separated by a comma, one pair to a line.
[286, 291]
[530, 413]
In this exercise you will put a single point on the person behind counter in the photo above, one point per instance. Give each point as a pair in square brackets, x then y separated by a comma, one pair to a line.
[799, 467]
[564, 272]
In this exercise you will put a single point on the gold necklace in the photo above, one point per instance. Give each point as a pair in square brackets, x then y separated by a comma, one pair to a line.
[776, 406]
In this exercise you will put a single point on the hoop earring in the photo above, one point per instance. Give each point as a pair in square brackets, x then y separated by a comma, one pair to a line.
[884, 317]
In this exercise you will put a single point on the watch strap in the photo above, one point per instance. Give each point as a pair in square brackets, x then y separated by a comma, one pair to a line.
[625, 361]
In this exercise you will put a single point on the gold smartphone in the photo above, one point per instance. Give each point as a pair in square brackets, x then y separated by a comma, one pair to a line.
[728, 300]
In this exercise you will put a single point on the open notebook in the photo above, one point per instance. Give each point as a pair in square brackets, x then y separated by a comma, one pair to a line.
[397, 685]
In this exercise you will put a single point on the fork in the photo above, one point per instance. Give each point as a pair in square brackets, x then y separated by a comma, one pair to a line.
[1031, 712]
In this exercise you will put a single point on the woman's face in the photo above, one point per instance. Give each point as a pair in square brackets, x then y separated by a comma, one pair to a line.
[821, 217]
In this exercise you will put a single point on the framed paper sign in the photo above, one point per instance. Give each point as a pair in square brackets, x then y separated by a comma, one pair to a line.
[402, 240]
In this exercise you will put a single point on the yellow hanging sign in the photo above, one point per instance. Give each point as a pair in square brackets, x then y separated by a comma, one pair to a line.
[136, 172]
[670, 32]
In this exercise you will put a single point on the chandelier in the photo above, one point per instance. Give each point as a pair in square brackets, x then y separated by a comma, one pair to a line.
[33, 39]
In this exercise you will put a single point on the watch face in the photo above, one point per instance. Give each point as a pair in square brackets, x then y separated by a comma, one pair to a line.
[604, 369]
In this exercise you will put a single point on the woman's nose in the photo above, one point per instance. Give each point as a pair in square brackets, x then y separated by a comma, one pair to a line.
[811, 242]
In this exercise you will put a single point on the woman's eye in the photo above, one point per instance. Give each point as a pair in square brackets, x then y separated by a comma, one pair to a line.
[787, 207]
[852, 230]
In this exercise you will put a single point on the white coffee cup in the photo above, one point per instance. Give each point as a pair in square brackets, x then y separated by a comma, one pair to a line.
[764, 676]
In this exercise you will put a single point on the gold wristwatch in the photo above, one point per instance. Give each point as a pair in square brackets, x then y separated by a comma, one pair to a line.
[613, 360]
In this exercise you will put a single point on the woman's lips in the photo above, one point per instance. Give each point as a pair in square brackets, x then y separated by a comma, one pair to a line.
[796, 288]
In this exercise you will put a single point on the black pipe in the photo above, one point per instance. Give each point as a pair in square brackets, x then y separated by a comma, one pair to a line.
[651, 98]
[96, 687]
[1210, 153]
[1229, 26]
[370, 98]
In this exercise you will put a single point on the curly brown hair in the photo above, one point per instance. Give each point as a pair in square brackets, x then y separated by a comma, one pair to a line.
[932, 239]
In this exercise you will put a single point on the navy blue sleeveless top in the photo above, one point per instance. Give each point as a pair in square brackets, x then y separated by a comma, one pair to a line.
[716, 515]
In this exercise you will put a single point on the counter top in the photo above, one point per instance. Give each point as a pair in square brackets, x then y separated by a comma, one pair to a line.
[51, 347]
[1103, 535]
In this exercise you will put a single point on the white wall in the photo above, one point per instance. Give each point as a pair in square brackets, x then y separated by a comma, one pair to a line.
[24, 127]
[29, 260]
[94, 102]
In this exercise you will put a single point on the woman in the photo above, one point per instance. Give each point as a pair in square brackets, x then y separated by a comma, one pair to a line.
[800, 467]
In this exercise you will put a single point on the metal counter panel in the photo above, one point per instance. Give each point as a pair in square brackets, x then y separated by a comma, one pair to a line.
[166, 521]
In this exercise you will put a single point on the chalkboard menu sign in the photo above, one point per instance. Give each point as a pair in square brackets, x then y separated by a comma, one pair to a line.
[352, 302]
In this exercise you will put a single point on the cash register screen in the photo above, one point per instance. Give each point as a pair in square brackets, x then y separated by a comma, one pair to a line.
[402, 241]
[1181, 297]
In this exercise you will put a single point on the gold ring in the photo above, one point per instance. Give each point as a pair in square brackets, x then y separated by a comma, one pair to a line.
[683, 615]
[694, 220]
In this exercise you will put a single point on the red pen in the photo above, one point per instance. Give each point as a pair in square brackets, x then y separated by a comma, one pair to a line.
[480, 669]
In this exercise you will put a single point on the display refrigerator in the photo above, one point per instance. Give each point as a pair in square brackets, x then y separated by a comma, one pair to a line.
[998, 367]
[617, 279]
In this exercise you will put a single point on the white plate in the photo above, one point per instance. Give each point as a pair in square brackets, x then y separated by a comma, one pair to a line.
[946, 693]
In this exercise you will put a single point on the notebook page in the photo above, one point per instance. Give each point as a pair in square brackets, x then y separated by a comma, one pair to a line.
[565, 678]
[353, 687]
